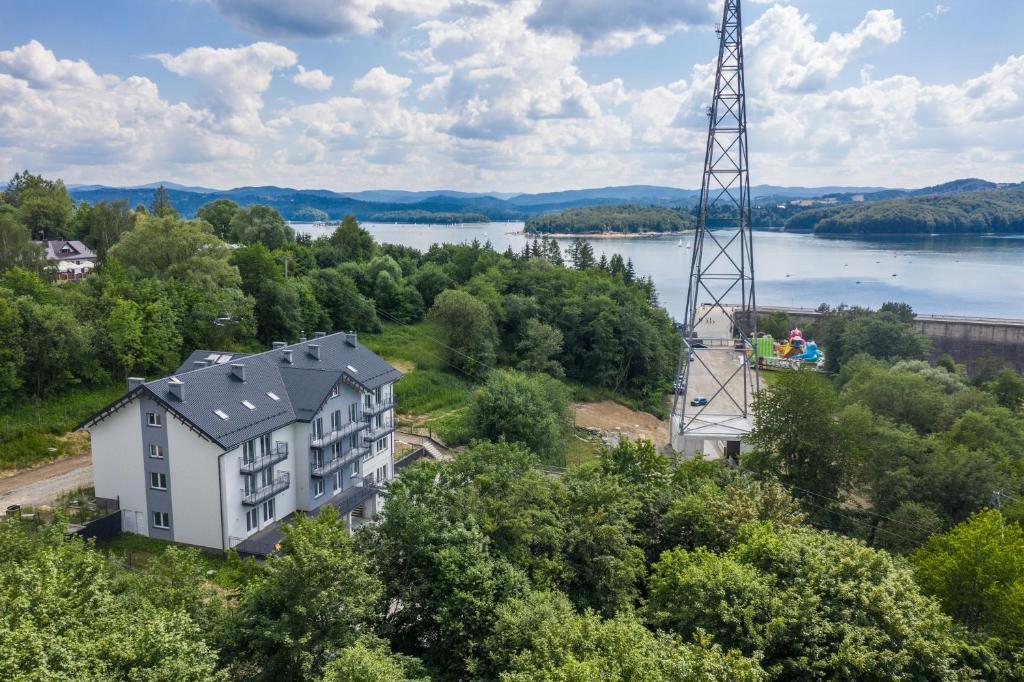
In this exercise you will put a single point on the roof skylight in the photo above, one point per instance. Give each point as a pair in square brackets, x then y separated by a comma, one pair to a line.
[221, 413]
[248, 404]
[352, 369]
[272, 395]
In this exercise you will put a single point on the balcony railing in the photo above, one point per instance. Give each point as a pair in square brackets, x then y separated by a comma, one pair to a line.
[337, 434]
[328, 467]
[278, 453]
[370, 411]
[375, 432]
[254, 497]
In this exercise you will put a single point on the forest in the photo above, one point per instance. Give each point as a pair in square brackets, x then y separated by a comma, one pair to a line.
[625, 218]
[997, 211]
[872, 533]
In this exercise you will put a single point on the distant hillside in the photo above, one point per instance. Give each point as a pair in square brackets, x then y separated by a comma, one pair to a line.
[624, 218]
[998, 211]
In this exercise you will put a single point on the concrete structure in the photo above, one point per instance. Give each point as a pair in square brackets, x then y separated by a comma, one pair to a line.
[219, 453]
[74, 259]
[967, 339]
[717, 372]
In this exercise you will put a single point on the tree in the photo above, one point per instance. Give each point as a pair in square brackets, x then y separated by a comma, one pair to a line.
[800, 437]
[581, 253]
[352, 242]
[313, 599]
[11, 356]
[976, 570]
[543, 638]
[885, 336]
[815, 605]
[56, 347]
[64, 616]
[124, 331]
[219, 214]
[161, 205]
[104, 224]
[370, 660]
[437, 566]
[532, 410]
[541, 343]
[469, 332]
[16, 246]
[430, 280]
[1008, 388]
[43, 206]
[346, 308]
[262, 224]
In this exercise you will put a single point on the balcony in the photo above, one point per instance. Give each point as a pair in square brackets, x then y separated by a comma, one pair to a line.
[329, 467]
[278, 485]
[375, 432]
[278, 453]
[370, 411]
[337, 434]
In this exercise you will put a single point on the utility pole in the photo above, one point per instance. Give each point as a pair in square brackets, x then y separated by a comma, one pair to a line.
[720, 321]
[285, 258]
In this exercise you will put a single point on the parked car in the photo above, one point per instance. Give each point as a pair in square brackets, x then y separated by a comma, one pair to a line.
[699, 401]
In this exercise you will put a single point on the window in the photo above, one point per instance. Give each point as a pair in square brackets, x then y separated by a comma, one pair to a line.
[266, 477]
[336, 449]
[248, 404]
[353, 412]
[272, 395]
[156, 451]
[154, 419]
[221, 413]
[382, 473]
[336, 391]
[378, 394]
[355, 468]
[161, 520]
[250, 484]
[157, 481]
[353, 441]
[380, 421]
[268, 510]
[265, 444]
[318, 487]
[352, 369]
[252, 519]
[382, 444]
[249, 451]
[317, 457]
[339, 477]
[367, 400]
[335, 420]
[318, 428]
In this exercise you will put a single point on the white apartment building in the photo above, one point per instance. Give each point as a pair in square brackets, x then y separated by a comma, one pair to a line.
[217, 454]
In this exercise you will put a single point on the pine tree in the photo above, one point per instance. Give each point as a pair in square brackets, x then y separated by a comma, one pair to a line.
[161, 205]
[616, 266]
[630, 273]
[582, 254]
[603, 263]
[553, 252]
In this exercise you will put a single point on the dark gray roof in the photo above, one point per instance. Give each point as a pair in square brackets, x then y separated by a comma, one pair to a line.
[301, 386]
[213, 357]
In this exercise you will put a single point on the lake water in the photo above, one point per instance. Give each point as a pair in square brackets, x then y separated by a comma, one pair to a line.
[972, 276]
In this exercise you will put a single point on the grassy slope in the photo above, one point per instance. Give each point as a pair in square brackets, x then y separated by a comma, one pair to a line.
[29, 430]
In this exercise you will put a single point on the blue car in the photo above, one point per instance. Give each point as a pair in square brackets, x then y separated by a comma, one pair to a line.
[699, 401]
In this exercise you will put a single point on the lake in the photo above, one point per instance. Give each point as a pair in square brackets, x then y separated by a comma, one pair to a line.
[973, 276]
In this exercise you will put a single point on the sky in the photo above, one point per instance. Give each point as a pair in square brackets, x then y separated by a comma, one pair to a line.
[504, 95]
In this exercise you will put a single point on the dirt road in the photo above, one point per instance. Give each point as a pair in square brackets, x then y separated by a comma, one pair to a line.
[610, 417]
[45, 483]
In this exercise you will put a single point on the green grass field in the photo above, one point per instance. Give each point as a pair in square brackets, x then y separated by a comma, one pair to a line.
[29, 430]
[139, 554]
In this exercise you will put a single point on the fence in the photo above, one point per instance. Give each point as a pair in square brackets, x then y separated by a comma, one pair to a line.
[414, 456]
[102, 528]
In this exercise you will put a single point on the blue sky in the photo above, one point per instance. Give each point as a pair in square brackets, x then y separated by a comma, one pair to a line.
[507, 95]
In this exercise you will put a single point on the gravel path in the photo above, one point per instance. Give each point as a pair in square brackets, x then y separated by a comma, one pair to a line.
[45, 483]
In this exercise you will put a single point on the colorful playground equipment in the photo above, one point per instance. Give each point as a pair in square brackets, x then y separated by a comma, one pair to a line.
[793, 353]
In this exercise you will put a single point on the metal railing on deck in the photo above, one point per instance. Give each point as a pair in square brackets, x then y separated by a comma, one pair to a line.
[253, 497]
[328, 467]
[278, 453]
[337, 434]
[375, 432]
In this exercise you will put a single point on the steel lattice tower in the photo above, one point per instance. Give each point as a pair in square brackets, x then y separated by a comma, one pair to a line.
[720, 318]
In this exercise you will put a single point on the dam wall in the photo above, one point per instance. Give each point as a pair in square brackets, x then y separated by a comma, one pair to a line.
[966, 339]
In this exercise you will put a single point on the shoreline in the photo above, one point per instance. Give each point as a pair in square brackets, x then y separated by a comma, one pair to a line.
[602, 235]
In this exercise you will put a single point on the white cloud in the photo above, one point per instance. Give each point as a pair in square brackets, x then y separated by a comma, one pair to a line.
[322, 18]
[612, 25]
[314, 79]
[231, 81]
[60, 114]
[937, 12]
[378, 82]
[785, 54]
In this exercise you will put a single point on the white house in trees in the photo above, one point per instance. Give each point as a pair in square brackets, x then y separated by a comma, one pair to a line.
[218, 453]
